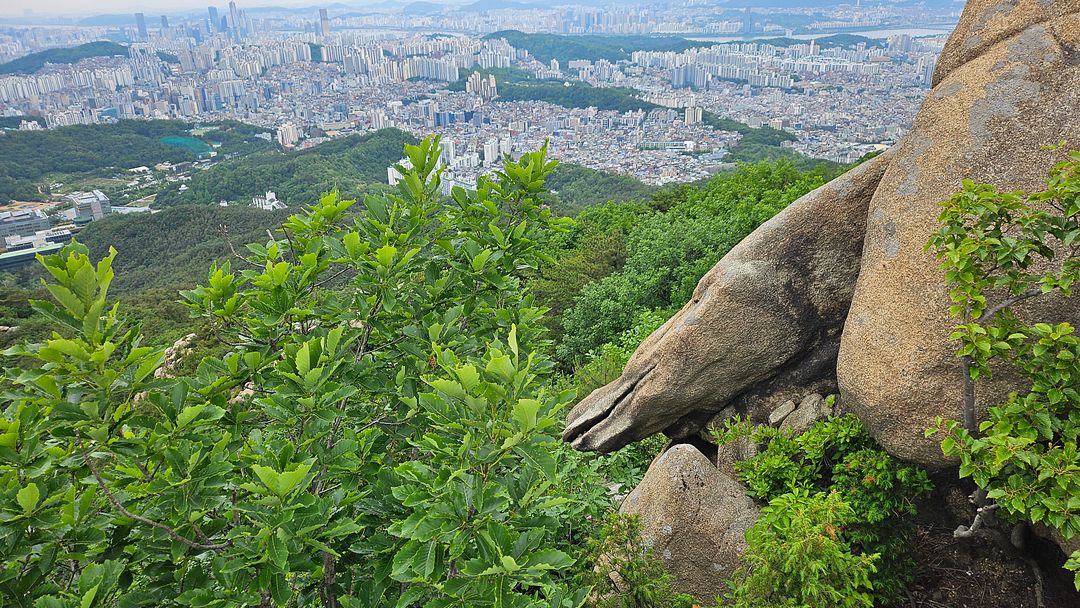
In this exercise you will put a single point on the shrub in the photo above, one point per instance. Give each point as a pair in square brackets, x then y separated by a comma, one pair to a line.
[797, 557]
[837, 456]
[626, 574]
[999, 249]
[380, 432]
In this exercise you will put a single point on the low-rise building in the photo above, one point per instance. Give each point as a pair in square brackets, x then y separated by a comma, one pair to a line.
[90, 206]
[23, 222]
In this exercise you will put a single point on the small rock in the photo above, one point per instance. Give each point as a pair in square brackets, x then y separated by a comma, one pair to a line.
[734, 451]
[778, 415]
[812, 409]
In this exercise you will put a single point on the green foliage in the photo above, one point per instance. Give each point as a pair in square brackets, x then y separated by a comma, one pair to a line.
[763, 144]
[620, 555]
[797, 557]
[766, 136]
[380, 434]
[838, 457]
[348, 164]
[502, 76]
[829, 42]
[999, 249]
[172, 248]
[667, 253]
[13, 122]
[35, 61]
[29, 155]
[546, 47]
[576, 95]
[576, 187]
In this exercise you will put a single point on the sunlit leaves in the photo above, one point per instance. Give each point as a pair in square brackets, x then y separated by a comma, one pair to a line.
[998, 249]
[383, 415]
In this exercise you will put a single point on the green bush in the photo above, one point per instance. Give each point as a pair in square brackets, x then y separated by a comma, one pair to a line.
[999, 249]
[837, 456]
[667, 253]
[626, 574]
[797, 557]
[381, 431]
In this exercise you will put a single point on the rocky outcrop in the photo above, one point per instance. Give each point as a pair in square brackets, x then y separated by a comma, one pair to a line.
[1008, 85]
[767, 317]
[813, 408]
[694, 518]
[838, 288]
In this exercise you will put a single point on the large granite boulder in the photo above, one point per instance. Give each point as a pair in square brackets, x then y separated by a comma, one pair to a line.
[767, 318]
[1007, 86]
[694, 517]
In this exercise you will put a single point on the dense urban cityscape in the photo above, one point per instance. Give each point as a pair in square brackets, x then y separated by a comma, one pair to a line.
[494, 80]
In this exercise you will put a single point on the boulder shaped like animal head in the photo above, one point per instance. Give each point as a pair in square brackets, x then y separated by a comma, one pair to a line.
[771, 309]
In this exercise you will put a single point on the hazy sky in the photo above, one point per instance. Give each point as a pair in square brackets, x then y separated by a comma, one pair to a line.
[82, 8]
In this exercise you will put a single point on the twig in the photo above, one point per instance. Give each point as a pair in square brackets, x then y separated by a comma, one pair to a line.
[990, 312]
[119, 507]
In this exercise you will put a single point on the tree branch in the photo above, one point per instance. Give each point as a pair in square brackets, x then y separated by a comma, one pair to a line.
[119, 507]
[968, 532]
[1007, 302]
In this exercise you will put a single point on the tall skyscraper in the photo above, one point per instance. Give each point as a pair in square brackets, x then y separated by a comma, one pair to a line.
[164, 23]
[140, 23]
[234, 21]
[215, 21]
[324, 23]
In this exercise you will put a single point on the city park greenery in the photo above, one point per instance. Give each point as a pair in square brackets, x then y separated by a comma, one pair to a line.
[33, 62]
[33, 159]
[370, 414]
[546, 47]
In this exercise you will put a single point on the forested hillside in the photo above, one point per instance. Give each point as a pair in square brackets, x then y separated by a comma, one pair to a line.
[35, 61]
[349, 165]
[546, 47]
[30, 156]
[172, 248]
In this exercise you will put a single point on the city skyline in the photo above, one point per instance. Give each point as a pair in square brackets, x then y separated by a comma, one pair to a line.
[77, 8]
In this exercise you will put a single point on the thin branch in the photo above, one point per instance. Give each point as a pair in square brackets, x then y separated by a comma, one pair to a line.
[119, 507]
[990, 312]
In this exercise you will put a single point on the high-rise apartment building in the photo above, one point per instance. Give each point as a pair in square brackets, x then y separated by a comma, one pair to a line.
[234, 21]
[324, 23]
[140, 25]
[693, 115]
[215, 21]
[288, 134]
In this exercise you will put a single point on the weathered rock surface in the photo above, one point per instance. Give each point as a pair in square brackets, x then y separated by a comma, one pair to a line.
[1007, 86]
[810, 410]
[838, 287]
[768, 315]
[781, 413]
[694, 517]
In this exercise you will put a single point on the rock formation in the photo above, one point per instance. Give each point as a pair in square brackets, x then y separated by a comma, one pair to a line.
[694, 517]
[838, 287]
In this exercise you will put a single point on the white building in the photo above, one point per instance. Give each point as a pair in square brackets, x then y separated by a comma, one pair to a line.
[269, 202]
[90, 206]
[288, 134]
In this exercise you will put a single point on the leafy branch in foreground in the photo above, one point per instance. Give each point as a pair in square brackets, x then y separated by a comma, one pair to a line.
[999, 249]
[381, 431]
